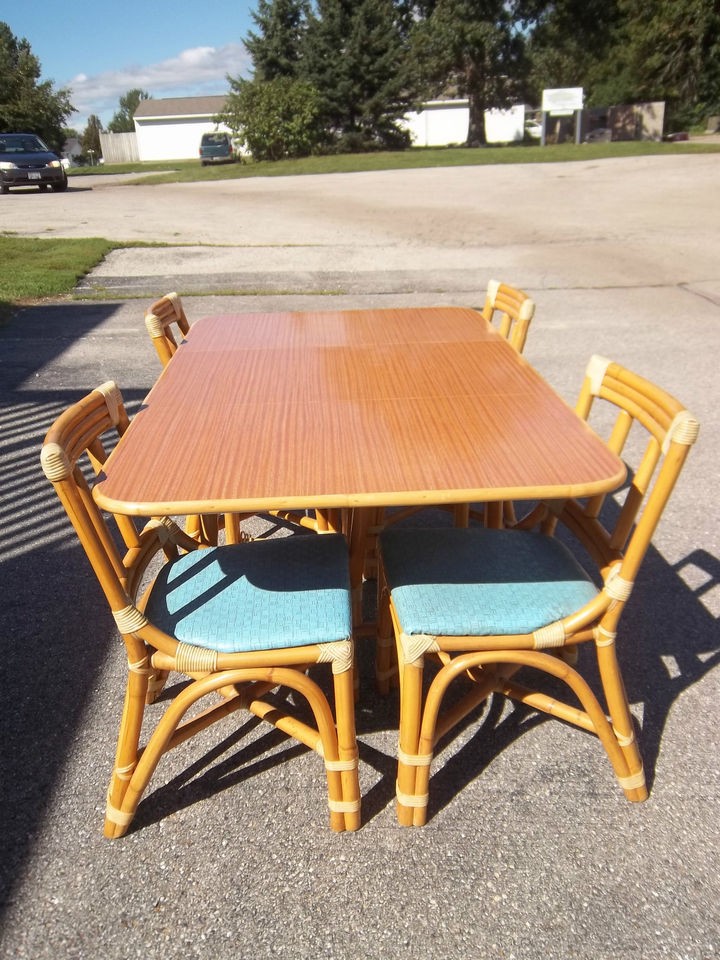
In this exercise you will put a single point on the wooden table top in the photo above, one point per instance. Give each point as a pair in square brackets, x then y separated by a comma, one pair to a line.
[345, 409]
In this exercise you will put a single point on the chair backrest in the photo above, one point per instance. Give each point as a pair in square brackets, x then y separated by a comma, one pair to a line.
[76, 446]
[656, 432]
[159, 320]
[511, 309]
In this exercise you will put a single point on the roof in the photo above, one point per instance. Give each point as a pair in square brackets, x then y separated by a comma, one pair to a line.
[180, 107]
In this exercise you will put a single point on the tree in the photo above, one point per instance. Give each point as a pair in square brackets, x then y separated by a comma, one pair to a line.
[572, 46]
[276, 48]
[90, 142]
[122, 121]
[356, 57]
[276, 118]
[474, 48]
[669, 51]
[26, 104]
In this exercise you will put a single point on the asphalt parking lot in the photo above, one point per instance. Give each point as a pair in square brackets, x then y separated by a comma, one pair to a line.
[531, 851]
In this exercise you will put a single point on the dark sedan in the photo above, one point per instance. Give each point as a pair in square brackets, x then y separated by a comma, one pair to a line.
[25, 161]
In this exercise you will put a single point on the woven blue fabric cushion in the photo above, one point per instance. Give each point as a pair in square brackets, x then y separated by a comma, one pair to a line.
[477, 582]
[256, 596]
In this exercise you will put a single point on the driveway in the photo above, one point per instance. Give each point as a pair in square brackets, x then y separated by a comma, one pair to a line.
[531, 849]
[615, 223]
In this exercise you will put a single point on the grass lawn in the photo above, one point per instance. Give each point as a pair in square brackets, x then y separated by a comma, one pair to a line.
[35, 269]
[183, 171]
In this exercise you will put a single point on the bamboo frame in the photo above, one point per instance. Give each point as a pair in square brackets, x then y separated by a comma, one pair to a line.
[160, 319]
[490, 661]
[242, 679]
[511, 310]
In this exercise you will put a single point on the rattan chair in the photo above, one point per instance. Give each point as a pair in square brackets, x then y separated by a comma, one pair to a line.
[239, 621]
[160, 319]
[484, 603]
[510, 310]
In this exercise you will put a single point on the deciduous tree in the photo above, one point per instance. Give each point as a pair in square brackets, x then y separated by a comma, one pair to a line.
[572, 45]
[28, 104]
[473, 48]
[275, 118]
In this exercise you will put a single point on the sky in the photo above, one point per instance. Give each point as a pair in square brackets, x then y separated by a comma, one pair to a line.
[169, 48]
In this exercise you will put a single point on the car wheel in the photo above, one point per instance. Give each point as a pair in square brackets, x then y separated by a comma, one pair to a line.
[4, 188]
[42, 187]
[59, 187]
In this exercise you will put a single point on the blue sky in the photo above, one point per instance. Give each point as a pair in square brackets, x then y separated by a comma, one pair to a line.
[171, 48]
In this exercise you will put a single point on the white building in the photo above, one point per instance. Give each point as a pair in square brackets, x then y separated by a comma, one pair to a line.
[171, 128]
[439, 123]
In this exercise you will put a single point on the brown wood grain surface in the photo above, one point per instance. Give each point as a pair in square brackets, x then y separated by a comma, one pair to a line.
[350, 408]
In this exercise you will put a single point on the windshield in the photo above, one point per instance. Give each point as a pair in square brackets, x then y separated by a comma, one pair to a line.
[21, 143]
[214, 139]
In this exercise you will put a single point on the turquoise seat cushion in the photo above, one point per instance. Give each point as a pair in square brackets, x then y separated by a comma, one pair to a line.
[269, 594]
[477, 582]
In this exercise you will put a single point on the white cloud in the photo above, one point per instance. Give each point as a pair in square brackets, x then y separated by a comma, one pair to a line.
[197, 72]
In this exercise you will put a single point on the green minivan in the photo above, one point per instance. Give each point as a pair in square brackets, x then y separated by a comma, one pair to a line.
[216, 148]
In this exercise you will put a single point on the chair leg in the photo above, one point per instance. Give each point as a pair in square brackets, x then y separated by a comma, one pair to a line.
[156, 682]
[634, 784]
[347, 746]
[411, 808]
[132, 776]
[203, 528]
[126, 756]
[386, 667]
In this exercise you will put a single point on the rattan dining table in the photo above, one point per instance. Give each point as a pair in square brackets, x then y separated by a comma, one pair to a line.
[339, 410]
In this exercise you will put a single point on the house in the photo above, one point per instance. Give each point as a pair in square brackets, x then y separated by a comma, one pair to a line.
[72, 149]
[170, 128]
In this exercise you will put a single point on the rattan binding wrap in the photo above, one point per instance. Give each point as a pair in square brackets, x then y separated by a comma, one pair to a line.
[55, 463]
[339, 653]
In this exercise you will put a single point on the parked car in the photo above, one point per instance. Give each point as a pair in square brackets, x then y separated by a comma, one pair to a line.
[533, 128]
[25, 161]
[216, 148]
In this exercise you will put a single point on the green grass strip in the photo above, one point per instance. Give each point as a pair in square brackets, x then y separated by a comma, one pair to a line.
[186, 171]
[34, 269]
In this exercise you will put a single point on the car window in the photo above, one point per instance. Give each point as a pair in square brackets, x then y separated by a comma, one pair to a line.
[213, 139]
[22, 143]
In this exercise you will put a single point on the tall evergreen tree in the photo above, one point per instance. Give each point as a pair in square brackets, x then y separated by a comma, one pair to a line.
[356, 58]
[276, 47]
[473, 48]
[668, 51]
[91, 136]
[27, 104]
[122, 121]
[571, 46]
